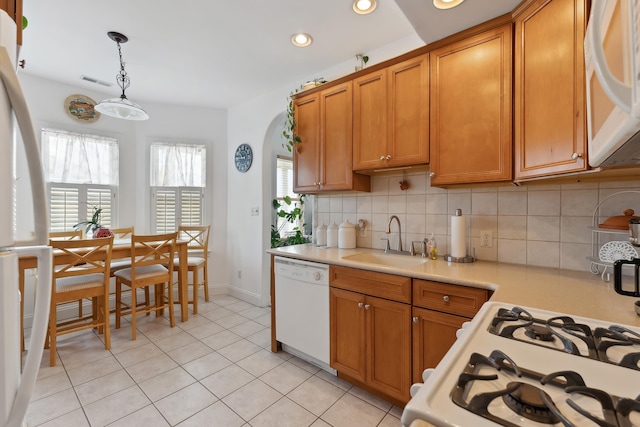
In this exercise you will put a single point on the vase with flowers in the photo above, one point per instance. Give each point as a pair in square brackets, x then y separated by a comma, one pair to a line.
[93, 225]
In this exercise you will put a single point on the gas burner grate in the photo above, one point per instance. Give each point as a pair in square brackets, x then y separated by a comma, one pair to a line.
[531, 401]
[563, 333]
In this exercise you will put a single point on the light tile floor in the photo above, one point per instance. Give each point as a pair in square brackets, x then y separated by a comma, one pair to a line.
[214, 370]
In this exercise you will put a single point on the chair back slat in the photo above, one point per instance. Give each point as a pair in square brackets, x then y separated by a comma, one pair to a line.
[197, 237]
[65, 235]
[156, 249]
[81, 257]
[122, 233]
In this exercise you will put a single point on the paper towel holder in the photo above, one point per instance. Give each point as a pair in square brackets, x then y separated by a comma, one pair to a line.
[465, 259]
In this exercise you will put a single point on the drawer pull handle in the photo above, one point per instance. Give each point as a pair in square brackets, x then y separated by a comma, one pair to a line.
[360, 305]
[415, 319]
[445, 298]
[367, 306]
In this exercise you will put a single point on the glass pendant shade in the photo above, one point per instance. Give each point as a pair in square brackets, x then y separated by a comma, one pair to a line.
[122, 108]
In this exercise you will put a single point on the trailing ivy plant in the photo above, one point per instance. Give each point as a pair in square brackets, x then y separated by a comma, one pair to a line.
[289, 131]
[291, 216]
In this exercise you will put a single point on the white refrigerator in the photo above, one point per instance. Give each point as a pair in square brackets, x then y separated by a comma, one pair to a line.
[16, 385]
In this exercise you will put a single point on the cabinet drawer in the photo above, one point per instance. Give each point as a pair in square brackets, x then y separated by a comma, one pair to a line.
[454, 299]
[389, 286]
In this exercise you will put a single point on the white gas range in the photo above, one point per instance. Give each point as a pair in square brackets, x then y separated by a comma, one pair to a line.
[587, 370]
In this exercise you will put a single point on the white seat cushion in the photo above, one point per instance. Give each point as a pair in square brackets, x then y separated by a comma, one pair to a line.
[66, 284]
[124, 263]
[192, 261]
[141, 272]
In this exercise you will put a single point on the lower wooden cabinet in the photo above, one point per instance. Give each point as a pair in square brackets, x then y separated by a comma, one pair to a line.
[439, 310]
[371, 341]
[433, 334]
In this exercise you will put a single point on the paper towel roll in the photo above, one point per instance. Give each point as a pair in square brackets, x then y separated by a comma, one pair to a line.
[458, 236]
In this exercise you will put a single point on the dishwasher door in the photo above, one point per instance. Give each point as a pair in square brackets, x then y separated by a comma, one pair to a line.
[302, 308]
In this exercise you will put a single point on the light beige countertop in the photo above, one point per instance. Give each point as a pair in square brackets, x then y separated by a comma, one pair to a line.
[565, 291]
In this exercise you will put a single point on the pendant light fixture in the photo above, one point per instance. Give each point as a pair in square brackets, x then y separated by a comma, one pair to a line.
[121, 107]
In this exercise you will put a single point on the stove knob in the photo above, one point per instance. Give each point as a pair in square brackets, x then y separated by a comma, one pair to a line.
[414, 389]
[426, 373]
[445, 298]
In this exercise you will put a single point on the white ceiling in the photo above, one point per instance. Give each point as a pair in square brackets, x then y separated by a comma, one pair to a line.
[219, 53]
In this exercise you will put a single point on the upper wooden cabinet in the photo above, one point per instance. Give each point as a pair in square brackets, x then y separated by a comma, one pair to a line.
[323, 160]
[550, 120]
[391, 116]
[14, 10]
[470, 109]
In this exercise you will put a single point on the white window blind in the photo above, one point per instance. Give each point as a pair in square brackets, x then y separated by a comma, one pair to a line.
[173, 206]
[178, 178]
[82, 175]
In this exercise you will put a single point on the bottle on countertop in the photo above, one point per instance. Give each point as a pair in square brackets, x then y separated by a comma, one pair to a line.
[432, 248]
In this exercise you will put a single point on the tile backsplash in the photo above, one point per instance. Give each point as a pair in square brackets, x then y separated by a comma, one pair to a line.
[536, 224]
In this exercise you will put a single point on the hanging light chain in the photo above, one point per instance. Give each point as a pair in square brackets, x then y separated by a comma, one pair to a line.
[122, 78]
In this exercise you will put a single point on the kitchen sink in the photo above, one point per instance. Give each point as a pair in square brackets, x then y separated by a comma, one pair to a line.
[389, 260]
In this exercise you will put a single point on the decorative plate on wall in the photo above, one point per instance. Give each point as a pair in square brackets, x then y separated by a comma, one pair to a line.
[81, 107]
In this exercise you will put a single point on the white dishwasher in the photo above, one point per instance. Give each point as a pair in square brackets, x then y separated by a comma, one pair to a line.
[302, 309]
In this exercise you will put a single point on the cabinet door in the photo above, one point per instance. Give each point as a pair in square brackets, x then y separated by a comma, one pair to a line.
[336, 149]
[306, 154]
[347, 320]
[470, 110]
[408, 110]
[14, 10]
[433, 334]
[389, 340]
[370, 121]
[550, 119]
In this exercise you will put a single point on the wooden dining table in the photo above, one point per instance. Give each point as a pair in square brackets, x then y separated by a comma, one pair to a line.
[121, 249]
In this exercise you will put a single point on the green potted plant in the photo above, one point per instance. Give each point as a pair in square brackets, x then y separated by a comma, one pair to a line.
[291, 216]
[289, 131]
[93, 225]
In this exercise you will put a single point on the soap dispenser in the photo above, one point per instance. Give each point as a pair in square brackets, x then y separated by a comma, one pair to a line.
[432, 248]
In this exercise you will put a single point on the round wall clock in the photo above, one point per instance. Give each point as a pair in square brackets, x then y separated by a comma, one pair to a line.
[244, 157]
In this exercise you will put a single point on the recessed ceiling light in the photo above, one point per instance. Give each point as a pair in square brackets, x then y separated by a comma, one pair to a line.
[446, 4]
[301, 40]
[363, 7]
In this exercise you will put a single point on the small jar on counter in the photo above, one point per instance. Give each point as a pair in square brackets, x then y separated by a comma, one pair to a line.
[347, 235]
[332, 235]
[321, 235]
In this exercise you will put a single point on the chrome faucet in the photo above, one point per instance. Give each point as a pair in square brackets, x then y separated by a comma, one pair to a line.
[399, 247]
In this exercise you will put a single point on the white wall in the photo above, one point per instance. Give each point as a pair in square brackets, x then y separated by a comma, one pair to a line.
[167, 123]
[254, 122]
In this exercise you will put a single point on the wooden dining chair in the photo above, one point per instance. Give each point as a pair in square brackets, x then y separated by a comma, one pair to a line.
[151, 265]
[68, 235]
[120, 234]
[84, 273]
[65, 235]
[197, 238]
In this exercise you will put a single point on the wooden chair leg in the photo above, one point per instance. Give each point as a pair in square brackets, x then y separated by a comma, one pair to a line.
[205, 282]
[106, 321]
[118, 302]
[52, 336]
[194, 275]
[133, 313]
[172, 317]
